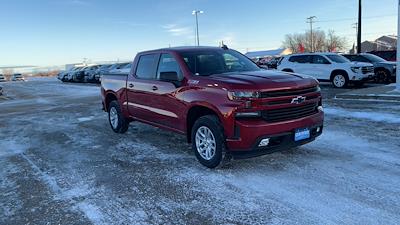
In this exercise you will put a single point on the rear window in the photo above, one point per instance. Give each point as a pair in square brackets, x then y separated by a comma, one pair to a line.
[146, 66]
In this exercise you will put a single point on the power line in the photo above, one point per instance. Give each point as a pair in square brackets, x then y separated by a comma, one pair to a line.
[355, 18]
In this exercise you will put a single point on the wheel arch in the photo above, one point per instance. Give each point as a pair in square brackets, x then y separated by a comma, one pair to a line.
[109, 97]
[195, 112]
[339, 71]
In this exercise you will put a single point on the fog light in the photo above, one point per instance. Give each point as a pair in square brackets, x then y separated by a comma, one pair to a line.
[318, 129]
[264, 142]
[320, 108]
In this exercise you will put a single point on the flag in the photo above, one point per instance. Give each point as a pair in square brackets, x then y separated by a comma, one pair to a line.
[301, 48]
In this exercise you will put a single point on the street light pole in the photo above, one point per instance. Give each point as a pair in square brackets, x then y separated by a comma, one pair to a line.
[195, 13]
[359, 28]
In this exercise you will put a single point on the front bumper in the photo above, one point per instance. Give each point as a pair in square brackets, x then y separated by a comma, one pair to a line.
[249, 134]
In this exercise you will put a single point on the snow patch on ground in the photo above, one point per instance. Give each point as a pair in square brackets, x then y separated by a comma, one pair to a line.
[373, 116]
[84, 119]
[10, 147]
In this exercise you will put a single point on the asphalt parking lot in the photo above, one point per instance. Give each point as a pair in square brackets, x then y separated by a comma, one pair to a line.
[62, 164]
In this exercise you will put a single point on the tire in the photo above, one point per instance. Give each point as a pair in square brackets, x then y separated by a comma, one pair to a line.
[340, 80]
[119, 124]
[381, 76]
[213, 132]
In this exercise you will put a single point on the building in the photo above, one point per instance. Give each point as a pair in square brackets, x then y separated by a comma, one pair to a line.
[384, 43]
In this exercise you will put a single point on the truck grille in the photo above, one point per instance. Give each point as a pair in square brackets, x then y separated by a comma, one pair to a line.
[367, 69]
[288, 92]
[290, 113]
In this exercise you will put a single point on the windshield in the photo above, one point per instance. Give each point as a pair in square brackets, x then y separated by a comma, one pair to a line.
[338, 58]
[374, 58]
[208, 62]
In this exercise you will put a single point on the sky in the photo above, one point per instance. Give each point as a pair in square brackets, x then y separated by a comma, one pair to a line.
[57, 32]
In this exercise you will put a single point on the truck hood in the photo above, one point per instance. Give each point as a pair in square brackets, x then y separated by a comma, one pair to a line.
[385, 64]
[262, 80]
[359, 64]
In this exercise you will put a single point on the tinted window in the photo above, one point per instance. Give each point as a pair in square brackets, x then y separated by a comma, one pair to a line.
[360, 58]
[301, 59]
[168, 64]
[338, 58]
[317, 59]
[374, 58]
[205, 63]
[146, 66]
[350, 57]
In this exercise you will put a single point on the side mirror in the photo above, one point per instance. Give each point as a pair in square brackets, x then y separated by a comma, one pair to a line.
[171, 76]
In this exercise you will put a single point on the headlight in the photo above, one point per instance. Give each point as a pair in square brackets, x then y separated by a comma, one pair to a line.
[237, 95]
[318, 89]
[355, 69]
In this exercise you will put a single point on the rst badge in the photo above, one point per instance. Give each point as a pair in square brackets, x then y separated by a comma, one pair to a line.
[298, 100]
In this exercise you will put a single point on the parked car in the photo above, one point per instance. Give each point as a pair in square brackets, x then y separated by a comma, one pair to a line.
[2, 78]
[328, 67]
[90, 73]
[122, 68]
[389, 55]
[273, 63]
[385, 71]
[222, 101]
[117, 66]
[102, 69]
[70, 74]
[17, 77]
[77, 75]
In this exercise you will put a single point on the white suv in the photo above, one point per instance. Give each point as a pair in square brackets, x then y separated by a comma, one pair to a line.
[328, 67]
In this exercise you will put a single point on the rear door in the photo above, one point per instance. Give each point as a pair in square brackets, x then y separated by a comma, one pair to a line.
[302, 64]
[140, 85]
[151, 99]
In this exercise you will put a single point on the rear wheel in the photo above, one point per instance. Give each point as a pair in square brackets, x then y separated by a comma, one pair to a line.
[208, 141]
[339, 80]
[118, 123]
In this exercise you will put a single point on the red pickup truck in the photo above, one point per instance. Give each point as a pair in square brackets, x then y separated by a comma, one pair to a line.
[224, 103]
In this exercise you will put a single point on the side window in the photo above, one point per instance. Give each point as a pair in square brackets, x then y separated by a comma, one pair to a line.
[301, 59]
[146, 67]
[168, 64]
[317, 59]
[361, 59]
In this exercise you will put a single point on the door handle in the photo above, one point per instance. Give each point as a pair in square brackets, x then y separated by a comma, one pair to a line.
[155, 88]
[131, 85]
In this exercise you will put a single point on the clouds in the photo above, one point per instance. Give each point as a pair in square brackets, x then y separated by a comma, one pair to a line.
[176, 30]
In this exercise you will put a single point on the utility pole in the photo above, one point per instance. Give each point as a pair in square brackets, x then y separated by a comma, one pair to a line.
[355, 26]
[359, 28]
[311, 21]
[195, 13]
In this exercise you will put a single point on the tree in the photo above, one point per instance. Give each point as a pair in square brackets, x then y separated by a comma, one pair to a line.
[320, 41]
[334, 43]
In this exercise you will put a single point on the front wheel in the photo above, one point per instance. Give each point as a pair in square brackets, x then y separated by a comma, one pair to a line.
[118, 123]
[208, 141]
[339, 80]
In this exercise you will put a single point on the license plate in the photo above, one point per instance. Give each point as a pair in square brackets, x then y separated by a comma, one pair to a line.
[301, 134]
